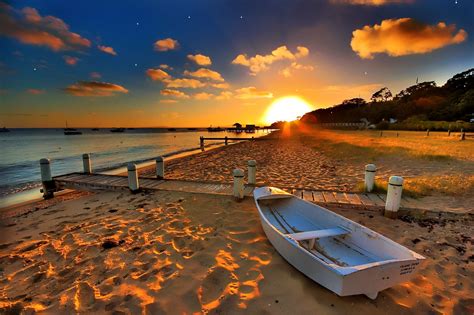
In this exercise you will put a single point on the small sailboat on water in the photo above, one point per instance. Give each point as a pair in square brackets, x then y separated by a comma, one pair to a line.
[341, 255]
[71, 131]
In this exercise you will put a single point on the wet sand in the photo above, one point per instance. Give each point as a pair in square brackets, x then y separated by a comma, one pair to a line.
[182, 253]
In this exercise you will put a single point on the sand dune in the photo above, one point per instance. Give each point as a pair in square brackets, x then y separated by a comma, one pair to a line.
[176, 253]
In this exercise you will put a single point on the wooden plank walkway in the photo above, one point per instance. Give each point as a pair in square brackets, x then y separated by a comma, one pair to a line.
[94, 182]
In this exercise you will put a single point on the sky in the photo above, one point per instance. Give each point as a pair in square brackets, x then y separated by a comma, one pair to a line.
[215, 62]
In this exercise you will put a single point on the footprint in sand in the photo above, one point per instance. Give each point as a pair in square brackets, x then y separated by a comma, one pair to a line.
[216, 285]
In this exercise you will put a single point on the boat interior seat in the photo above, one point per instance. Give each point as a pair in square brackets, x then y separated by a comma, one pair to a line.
[310, 235]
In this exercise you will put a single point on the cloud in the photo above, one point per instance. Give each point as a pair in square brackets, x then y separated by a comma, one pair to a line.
[288, 71]
[95, 75]
[107, 50]
[157, 74]
[168, 101]
[184, 83]
[200, 59]
[166, 67]
[252, 92]
[35, 91]
[72, 61]
[173, 93]
[29, 27]
[224, 95]
[262, 62]
[370, 2]
[406, 36]
[203, 96]
[94, 88]
[166, 44]
[223, 86]
[205, 74]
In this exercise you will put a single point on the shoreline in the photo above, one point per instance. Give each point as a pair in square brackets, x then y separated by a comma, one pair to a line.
[29, 196]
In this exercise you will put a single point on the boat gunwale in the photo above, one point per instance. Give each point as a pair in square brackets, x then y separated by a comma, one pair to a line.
[342, 270]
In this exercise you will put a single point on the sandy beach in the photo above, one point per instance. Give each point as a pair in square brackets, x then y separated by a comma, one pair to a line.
[183, 253]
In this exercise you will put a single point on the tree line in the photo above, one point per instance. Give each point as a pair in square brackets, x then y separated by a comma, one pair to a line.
[425, 101]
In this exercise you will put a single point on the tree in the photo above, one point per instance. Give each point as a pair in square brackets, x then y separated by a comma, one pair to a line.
[417, 88]
[382, 95]
[353, 103]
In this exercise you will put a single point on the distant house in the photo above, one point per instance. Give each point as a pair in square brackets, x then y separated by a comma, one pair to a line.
[250, 128]
[237, 126]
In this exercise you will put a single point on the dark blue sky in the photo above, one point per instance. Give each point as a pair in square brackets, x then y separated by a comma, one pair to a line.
[330, 72]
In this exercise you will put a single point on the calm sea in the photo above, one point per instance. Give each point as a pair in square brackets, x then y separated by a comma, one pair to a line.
[21, 150]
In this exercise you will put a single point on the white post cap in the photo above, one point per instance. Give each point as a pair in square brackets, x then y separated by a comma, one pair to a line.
[252, 163]
[44, 161]
[396, 180]
[131, 167]
[160, 159]
[370, 168]
[238, 172]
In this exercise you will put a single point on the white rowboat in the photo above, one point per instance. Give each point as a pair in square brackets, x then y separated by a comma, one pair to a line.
[339, 254]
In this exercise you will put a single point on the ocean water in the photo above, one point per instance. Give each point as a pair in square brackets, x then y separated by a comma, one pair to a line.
[21, 150]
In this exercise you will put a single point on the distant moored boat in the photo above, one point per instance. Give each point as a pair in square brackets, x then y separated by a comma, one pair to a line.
[71, 131]
[117, 130]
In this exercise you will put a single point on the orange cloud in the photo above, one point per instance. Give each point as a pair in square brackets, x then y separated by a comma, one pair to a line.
[29, 27]
[223, 86]
[262, 62]
[168, 101]
[224, 95]
[95, 75]
[406, 36]
[203, 96]
[370, 2]
[173, 93]
[184, 83]
[252, 92]
[166, 44]
[107, 50]
[94, 88]
[166, 67]
[288, 71]
[72, 61]
[157, 74]
[35, 91]
[201, 60]
[205, 74]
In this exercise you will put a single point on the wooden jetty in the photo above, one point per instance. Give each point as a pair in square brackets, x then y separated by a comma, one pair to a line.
[101, 182]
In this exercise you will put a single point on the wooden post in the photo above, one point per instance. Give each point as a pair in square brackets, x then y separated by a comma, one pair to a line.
[160, 167]
[397, 134]
[252, 172]
[394, 196]
[86, 162]
[238, 183]
[225, 140]
[463, 136]
[370, 177]
[133, 178]
[47, 179]
[449, 132]
[381, 133]
[427, 132]
[202, 143]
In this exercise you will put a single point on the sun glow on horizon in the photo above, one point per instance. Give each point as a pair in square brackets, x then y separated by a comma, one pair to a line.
[286, 108]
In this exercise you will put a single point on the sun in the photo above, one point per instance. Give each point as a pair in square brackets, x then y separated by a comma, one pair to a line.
[286, 108]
